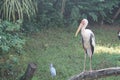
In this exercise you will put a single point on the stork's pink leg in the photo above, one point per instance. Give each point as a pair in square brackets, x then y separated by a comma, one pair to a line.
[90, 63]
[84, 63]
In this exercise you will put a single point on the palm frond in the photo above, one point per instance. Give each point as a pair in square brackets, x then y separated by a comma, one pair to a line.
[13, 10]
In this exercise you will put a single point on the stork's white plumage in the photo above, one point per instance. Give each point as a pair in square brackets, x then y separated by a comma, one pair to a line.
[52, 70]
[88, 41]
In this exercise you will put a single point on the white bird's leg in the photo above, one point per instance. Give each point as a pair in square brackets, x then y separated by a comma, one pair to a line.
[84, 63]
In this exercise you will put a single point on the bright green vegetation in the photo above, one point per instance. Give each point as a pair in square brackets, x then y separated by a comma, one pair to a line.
[60, 47]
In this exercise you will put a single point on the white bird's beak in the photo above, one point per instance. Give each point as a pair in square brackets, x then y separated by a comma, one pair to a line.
[78, 30]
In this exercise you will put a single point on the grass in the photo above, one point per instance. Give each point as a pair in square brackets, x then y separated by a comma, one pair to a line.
[60, 47]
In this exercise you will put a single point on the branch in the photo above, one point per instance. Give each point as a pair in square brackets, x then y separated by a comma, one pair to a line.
[97, 74]
[117, 13]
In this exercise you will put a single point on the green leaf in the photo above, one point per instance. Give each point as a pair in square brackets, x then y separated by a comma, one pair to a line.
[93, 15]
[5, 48]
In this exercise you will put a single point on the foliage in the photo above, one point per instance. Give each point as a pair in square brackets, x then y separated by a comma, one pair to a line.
[10, 42]
[31, 27]
[70, 12]
[48, 14]
[59, 12]
[13, 10]
[9, 36]
[94, 10]
[9, 67]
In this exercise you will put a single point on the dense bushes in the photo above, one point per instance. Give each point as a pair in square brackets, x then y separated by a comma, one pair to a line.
[59, 12]
[52, 12]
[10, 37]
[11, 42]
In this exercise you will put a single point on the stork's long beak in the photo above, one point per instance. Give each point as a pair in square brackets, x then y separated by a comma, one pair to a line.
[78, 30]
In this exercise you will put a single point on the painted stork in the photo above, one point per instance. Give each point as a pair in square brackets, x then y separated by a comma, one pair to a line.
[88, 41]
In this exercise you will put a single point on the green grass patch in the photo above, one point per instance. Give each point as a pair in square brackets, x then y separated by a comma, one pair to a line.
[60, 47]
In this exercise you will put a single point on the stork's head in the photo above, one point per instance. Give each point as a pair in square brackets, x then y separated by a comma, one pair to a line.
[83, 23]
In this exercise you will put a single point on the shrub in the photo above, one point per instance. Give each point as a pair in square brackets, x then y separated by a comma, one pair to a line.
[10, 36]
[11, 42]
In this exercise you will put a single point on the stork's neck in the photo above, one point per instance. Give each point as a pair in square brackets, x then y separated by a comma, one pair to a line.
[83, 28]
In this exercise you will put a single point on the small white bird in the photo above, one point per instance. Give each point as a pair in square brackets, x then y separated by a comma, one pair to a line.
[52, 70]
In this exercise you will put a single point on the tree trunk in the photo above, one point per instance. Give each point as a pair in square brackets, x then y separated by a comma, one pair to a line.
[63, 6]
[97, 74]
[117, 13]
[29, 72]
